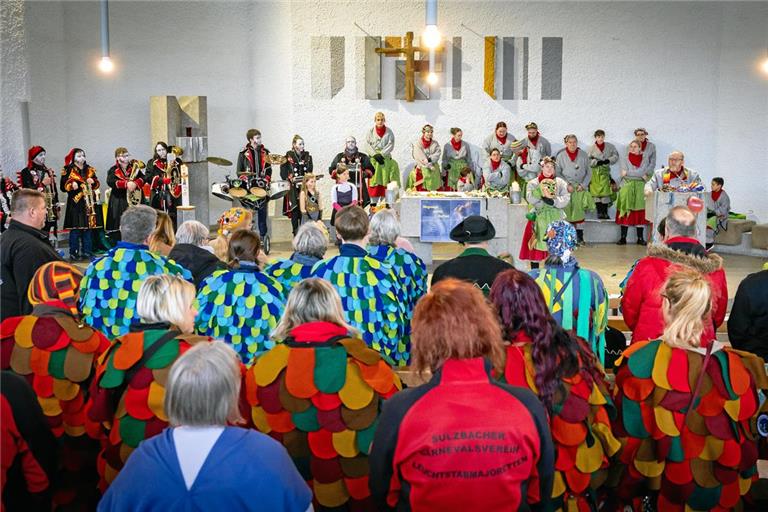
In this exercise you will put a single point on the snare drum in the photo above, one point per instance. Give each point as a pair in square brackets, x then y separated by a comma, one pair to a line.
[278, 189]
[237, 187]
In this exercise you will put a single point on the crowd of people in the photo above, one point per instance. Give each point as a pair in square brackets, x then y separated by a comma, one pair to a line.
[182, 372]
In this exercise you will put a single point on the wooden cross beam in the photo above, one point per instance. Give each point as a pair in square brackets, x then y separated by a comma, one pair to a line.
[409, 51]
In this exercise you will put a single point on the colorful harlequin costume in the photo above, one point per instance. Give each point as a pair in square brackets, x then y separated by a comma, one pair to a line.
[111, 285]
[372, 299]
[580, 422]
[700, 460]
[320, 393]
[408, 267]
[290, 271]
[576, 297]
[57, 354]
[127, 394]
[241, 306]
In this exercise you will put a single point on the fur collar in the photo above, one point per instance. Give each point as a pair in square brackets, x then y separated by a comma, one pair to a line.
[711, 263]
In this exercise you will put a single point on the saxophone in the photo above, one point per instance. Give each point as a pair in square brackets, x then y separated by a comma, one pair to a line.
[50, 206]
[135, 196]
[90, 203]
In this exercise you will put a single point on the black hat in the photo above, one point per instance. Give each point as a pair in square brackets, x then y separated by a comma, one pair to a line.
[473, 229]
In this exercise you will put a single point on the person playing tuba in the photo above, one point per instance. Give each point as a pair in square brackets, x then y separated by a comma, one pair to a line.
[163, 181]
[125, 180]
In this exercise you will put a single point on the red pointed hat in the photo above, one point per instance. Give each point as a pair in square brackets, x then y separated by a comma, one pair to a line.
[32, 153]
[70, 156]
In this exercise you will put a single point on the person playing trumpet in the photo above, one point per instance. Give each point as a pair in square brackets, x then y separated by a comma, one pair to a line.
[163, 181]
[125, 179]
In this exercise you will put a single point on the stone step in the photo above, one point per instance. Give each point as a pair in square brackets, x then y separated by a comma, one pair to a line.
[607, 231]
[744, 248]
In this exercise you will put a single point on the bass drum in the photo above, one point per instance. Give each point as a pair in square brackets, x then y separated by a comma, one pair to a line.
[278, 189]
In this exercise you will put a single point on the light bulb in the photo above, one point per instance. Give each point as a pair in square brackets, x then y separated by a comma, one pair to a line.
[431, 36]
[106, 65]
[764, 66]
[432, 78]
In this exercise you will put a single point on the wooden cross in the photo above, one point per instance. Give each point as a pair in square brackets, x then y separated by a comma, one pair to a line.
[410, 62]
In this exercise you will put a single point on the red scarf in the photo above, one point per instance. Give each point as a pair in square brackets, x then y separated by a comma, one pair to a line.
[542, 177]
[601, 147]
[643, 145]
[456, 144]
[501, 140]
[495, 165]
[524, 155]
[716, 195]
[316, 331]
[426, 143]
[381, 131]
[573, 155]
[534, 140]
[635, 159]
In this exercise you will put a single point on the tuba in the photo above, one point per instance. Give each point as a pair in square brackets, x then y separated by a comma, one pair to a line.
[135, 196]
[173, 171]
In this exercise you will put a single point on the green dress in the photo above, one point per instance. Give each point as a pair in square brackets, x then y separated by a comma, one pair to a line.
[631, 196]
[545, 215]
[454, 172]
[600, 184]
[581, 201]
[384, 173]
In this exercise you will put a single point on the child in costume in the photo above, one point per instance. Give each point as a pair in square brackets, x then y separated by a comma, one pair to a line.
[343, 193]
[718, 210]
[309, 200]
[242, 305]
[547, 195]
[602, 155]
[466, 182]
[371, 293]
[321, 369]
[229, 222]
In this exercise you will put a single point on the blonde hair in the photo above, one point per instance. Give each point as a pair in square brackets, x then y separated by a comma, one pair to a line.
[311, 300]
[687, 306]
[164, 298]
[163, 233]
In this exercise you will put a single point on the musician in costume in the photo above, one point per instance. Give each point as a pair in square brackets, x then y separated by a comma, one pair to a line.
[426, 151]
[43, 179]
[527, 164]
[327, 392]
[127, 395]
[241, 305]
[54, 334]
[163, 178]
[110, 287]
[547, 196]
[309, 247]
[7, 188]
[456, 156]
[125, 179]
[370, 291]
[253, 159]
[573, 166]
[381, 142]
[359, 166]
[496, 173]
[687, 411]
[602, 155]
[562, 371]
[630, 206]
[298, 164]
[647, 147]
[84, 218]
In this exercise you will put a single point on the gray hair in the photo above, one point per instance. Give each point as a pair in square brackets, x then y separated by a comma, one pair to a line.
[680, 221]
[311, 300]
[204, 386]
[192, 232]
[164, 298]
[137, 223]
[311, 241]
[385, 228]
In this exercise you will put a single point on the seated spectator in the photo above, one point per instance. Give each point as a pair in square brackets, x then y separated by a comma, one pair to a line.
[371, 294]
[338, 396]
[201, 463]
[409, 268]
[111, 283]
[162, 238]
[242, 305]
[24, 249]
[193, 252]
[28, 448]
[686, 410]
[463, 441]
[575, 296]
[61, 381]
[475, 264]
[562, 370]
[127, 394]
[309, 246]
[748, 323]
[718, 210]
[641, 303]
[229, 222]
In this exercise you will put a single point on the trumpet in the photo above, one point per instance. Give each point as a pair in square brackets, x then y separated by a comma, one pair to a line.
[134, 197]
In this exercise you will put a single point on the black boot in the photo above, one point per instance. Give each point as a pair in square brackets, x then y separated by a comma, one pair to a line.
[580, 236]
[534, 264]
[640, 237]
[623, 239]
[602, 211]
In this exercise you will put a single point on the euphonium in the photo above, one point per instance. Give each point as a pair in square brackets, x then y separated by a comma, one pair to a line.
[50, 207]
[90, 204]
[173, 172]
[134, 197]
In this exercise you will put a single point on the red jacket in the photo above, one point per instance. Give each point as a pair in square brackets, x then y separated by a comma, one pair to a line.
[641, 304]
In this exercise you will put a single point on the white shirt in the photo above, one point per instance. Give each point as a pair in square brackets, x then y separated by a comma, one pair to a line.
[193, 444]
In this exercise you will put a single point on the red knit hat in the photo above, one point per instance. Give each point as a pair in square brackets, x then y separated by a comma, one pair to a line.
[56, 281]
[32, 153]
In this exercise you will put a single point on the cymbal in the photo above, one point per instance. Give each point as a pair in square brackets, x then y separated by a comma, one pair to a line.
[218, 161]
